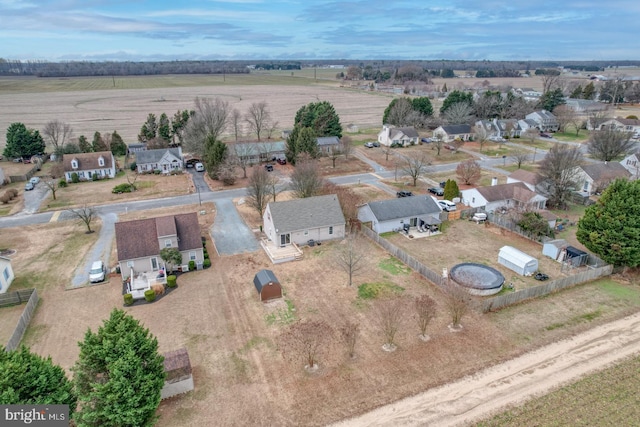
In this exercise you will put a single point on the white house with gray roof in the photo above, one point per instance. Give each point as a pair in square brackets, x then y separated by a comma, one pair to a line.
[403, 136]
[327, 143]
[297, 221]
[393, 214]
[165, 160]
[545, 121]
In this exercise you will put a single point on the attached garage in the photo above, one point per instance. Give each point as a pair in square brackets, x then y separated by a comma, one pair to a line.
[267, 285]
[517, 261]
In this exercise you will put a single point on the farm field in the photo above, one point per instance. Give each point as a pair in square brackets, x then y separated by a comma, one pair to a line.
[233, 339]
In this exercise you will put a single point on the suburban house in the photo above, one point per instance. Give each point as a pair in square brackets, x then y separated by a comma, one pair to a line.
[139, 242]
[622, 125]
[327, 143]
[585, 106]
[516, 195]
[632, 164]
[86, 165]
[530, 179]
[487, 127]
[403, 136]
[595, 177]
[528, 93]
[545, 121]
[394, 214]
[500, 128]
[166, 160]
[452, 132]
[298, 221]
[256, 152]
[135, 148]
[6, 274]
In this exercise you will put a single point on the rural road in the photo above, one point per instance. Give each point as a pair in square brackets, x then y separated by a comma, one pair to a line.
[535, 373]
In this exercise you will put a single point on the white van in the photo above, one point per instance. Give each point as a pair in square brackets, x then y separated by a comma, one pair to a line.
[97, 272]
[447, 205]
[199, 167]
[479, 217]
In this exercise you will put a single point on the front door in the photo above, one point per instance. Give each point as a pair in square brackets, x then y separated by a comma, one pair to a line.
[154, 264]
[285, 239]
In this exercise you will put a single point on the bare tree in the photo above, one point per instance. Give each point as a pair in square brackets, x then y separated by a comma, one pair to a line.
[596, 118]
[306, 180]
[351, 257]
[242, 154]
[610, 144]
[459, 113]
[386, 150]
[333, 154]
[390, 314]
[519, 156]
[209, 120]
[425, 311]
[350, 201]
[235, 120]
[306, 340]
[481, 136]
[399, 113]
[272, 186]
[457, 301]
[86, 214]
[53, 185]
[349, 332]
[565, 116]
[258, 189]
[258, 118]
[346, 146]
[469, 171]
[551, 81]
[57, 134]
[272, 129]
[438, 143]
[131, 180]
[531, 134]
[558, 171]
[415, 166]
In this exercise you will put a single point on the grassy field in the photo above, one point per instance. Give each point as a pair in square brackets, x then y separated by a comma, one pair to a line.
[607, 398]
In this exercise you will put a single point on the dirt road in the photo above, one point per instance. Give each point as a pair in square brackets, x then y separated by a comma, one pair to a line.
[509, 383]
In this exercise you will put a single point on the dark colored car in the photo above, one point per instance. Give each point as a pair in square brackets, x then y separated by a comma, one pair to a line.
[282, 161]
[541, 276]
[404, 193]
[426, 140]
[371, 144]
[442, 184]
[437, 191]
[269, 168]
[545, 135]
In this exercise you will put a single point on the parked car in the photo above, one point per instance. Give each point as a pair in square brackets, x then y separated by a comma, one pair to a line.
[97, 272]
[199, 167]
[281, 161]
[29, 186]
[496, 139]
[442, 184]
[426, 140]
[404, 193]
[478, 217]
[545, 135]
[541, 276]
[371, 144]
[269, 167]
[34, 180]
[447, 205]
[438, 191]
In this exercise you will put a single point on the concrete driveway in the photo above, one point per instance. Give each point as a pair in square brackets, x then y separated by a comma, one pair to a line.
[229, 232]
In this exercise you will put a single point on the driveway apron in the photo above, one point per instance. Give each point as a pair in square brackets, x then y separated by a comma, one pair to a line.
[229, 232]
[101, 251]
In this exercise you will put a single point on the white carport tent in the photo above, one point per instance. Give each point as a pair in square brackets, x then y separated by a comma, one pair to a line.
[517, 261]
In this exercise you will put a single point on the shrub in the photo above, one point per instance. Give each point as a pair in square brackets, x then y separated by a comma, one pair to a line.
[150, 295]
[192, 265]
[133, 166]
[5, 198]
[171, 281]
[95, 177]
[13, 191]
[75, 178]
[206, 263]
[128, 299]
[122, 188]
[62, 183]
[157, 171]
[206, 255]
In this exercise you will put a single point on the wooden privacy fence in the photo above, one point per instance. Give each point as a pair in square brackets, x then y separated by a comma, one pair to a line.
[501, 301]
[24, 320]
[13, 298]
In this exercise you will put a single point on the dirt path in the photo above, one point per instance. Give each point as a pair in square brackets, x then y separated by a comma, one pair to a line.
[535, 373]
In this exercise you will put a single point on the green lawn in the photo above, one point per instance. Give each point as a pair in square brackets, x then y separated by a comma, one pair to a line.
[583, 136]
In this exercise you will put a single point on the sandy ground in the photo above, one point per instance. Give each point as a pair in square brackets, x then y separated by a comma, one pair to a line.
[510, 383]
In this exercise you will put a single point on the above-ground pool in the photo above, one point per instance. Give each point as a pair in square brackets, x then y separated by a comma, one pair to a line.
[477, 279]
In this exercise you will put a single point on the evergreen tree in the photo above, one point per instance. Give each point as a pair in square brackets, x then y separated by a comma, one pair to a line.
[215, 153]
[422, 104]
[118, 147]
[149, 129]
[27, 378]
[610, 227]
[84, 145]
[118, 375]
[23, 142]
[306, 142]
[551, 99]
[98, 143]
[321, 117]
[291, 149]
[451, 190]
[588, 91]
[164, 128]
[577, 92]
[455, 97]
[387, 111]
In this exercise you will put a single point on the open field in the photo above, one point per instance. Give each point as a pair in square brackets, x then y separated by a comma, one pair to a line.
[92, 104]
[233, 339]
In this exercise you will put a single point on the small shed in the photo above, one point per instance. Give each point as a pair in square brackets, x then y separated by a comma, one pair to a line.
[267, 285]
[553, 248]
[517, 261]
[178, 374]
[575, 256]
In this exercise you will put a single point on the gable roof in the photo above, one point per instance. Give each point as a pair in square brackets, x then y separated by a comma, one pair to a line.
[513, 191]
[456, 129]
[626, 122]
[307, 213]
[139, 238]
[605, 171]
[154, 156]
[328, 140]
[409, 132]
[263, 278]
[87, 161]
[525, 176]
[403, 207]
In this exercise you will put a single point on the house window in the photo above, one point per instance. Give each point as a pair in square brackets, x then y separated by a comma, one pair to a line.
[167, 243]
[473, 200]
[331, 230]
[130, 264]
[5, 273]
[192, 255]
[154, 263]
[101, 161]
[74, 164]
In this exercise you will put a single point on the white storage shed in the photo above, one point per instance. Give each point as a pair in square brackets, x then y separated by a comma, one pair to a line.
[517, 261]
[553, 248]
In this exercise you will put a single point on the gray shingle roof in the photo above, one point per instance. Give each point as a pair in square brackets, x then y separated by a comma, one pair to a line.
[456, 129]
[512, 191]
[605, 171]
[305, 214]
[154, 156]
[327, 140]
[87, 161]
[403, 207]
[409, 132]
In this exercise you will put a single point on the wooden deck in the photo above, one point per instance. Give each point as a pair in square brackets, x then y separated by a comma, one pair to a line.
[280, 254]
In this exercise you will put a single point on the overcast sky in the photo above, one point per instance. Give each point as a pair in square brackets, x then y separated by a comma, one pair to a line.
[308, 29]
